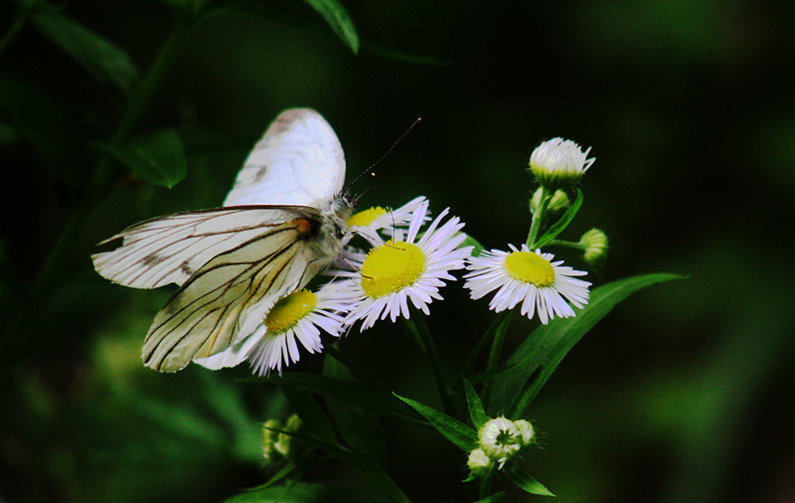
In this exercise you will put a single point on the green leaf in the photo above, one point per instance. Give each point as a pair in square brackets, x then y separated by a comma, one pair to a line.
[57, 131]
[476, 411]
[368, 470]
[525, 481]
[464, 437]
[351, 392]
[91, 50]
[562, 222]
[470, 241]
[548, 344]
[499, 497]
[360, 429]
[338, 19]
[158, 157]
[308, 493]
[311, 414]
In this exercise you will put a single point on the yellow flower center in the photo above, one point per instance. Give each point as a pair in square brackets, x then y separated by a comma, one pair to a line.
[530, 268]
[366, 217]
[391, 268]
[288, 311]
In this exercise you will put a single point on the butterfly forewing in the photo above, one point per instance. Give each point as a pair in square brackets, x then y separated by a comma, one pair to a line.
[227, 297]
[278, 228]
[170, 249]
[299, 161]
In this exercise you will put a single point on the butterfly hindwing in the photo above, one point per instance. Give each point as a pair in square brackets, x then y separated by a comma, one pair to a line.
[229, 295]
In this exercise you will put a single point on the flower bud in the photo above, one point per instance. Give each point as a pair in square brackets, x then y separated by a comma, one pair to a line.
[269, 438]
[595, 243]
[559, 202]
[526, 431]
[479, 463]
[500, 439]
[559, 163]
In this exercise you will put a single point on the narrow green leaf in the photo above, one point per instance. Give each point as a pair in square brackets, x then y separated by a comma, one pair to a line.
[338, 19]
[312, 415]
[525, 481]
[57, 131]
[500, 323]
[158, 157]
[499, 497]
[351, 392]
[360, 429]
[308, 493]
[476, 410]
[95, 53]
[464, 437]
[548, 344]
[562, 222]
[368, 470]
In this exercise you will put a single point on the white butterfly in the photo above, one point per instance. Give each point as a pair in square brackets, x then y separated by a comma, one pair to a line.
[282, 223]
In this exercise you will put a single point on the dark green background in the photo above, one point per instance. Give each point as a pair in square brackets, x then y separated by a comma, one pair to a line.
[684, 393]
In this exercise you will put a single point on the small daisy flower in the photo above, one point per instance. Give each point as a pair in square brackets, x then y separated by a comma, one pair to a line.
[297, 317]
[559, 163]
[404, 268]
[368, 222]
[527, 277]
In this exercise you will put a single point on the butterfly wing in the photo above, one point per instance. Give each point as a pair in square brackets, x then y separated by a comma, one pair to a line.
[299, 161]
[227, 297]
[170, 249]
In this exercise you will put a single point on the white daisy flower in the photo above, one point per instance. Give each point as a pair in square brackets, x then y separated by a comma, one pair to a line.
[527, 277]
[558, 163]
[404, 268]
[297, 317]
[368, 222]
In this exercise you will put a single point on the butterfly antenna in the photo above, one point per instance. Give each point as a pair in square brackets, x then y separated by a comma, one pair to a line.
[376, 163]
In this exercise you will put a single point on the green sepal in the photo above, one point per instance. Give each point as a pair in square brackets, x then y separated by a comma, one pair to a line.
[562, 222]
[544, 349]
[157, 157]
[476, 410]
[523, 480]
[338, 19]
[464, 437]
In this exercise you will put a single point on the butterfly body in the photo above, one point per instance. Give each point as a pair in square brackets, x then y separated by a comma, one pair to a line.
[281, 224]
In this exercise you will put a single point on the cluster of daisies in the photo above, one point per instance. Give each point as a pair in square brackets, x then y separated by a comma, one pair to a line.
[411, 256]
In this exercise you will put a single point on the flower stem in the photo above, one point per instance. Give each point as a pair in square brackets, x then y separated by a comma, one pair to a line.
[417, 326]
[538, 218]
[494, 355]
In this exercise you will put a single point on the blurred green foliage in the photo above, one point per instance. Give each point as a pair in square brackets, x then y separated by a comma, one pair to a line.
[683, 394]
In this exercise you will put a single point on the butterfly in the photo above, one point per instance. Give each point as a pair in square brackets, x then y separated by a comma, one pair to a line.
[283, 222]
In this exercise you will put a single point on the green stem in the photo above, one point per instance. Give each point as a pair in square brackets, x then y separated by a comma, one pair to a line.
[538, 218]
[416, 324]
[20, 19]
[494, 356]
[567, 244]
